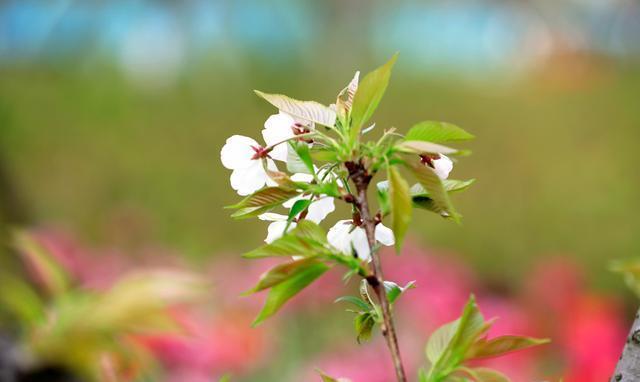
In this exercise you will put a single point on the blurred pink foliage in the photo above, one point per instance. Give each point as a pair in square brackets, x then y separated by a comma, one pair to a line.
[586, 329]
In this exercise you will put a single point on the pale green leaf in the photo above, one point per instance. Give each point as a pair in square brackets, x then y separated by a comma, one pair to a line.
[360, 304]
[308, 110]
[368, 96]
[422, 147]
[262, 201]
[401, 207]
[483, 374]
[439, 340]
[432, 131]
[364, 324]
[306, 239]
[281, 293]
[282, 272]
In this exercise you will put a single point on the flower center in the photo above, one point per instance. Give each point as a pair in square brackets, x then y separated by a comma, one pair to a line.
[427, 159]
[299, 129]
[260, 152]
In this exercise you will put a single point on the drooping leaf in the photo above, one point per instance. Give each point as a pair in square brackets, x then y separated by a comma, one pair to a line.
[437, 132]
[401, 207]
[364, 323]
[360, 304]
[308, 110]
[282, 272]
[306, 239]
[423, 147]
[498, 346]
[384, 201]
[368, 96]
[437, 192]
[43, 267]
[281, 293]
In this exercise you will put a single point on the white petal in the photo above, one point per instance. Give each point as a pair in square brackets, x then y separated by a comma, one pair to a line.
[319, 209]
[360, 243]
[276, 230]
[237, 152]
[443, 166]
[301, 177]
[248, 180]
[272, 217]
[271, 165]
[384, 235]
[340, 237]
[276, 129]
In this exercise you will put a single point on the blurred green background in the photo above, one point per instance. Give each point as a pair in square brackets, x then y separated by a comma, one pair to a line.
[112, 115]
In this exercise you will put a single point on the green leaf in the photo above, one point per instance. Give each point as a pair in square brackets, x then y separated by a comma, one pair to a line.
[498, 346]
[308, 110]
[323, 154]
[394, 290]
[298, 207]
[432, 131]
[448, 346]
[21, 300]
[295, 164]
[364, 324]
[360, 304]
[306, 239]
[262, 201]
[282, 272]
[401, 207]
[225, 378]
[368, 96]
[281, 293]
[422, 147]
[327, 378]
[437, 192]
[630, 270]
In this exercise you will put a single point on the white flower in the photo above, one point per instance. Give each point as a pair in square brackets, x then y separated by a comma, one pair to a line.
[244, 156]
[442, 166]
[277, 226]
[318, 209]
[278, 128]
[346, 238]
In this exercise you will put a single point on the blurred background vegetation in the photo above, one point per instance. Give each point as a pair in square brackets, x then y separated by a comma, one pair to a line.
[112, 116]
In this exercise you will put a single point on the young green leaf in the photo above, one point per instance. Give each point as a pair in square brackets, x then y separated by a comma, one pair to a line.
[368, 96]
[383, 197]
[394, 290]
[401, 207]
[484, 348]
[306, 239]
[432, 131]
[450, 185]
[298, 207]
[308, 110]
[262, 200]
[483, 374]
[283, 272]
[295, 164]
[437, 192]
[281, 293]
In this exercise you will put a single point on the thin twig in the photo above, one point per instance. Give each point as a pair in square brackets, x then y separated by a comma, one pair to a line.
[628, 368]
[361, 179]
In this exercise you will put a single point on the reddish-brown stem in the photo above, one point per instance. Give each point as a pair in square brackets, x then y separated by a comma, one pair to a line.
[361, 179]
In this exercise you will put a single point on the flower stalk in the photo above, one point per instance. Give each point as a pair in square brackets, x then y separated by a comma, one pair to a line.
[361, 179]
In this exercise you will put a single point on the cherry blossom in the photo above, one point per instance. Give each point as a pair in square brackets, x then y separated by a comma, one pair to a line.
[346, 237]
[440, 163]
[245, 157]
[276, 229]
